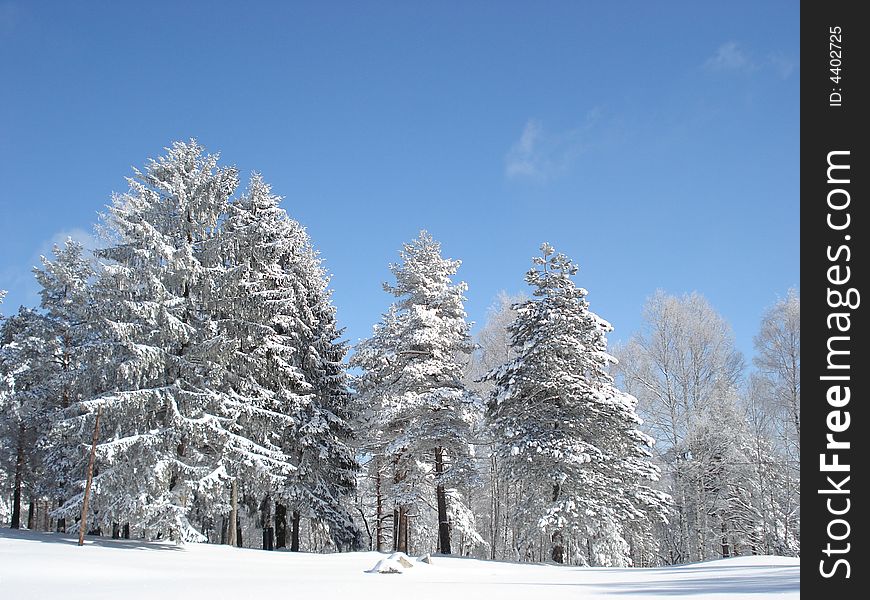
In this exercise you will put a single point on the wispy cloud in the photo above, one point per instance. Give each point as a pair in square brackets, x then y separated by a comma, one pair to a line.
[730, 56]
[526, 158]
[540, 154]
[783, 65]
[734, 57]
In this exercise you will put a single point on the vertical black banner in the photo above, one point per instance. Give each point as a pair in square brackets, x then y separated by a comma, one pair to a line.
[834, 225]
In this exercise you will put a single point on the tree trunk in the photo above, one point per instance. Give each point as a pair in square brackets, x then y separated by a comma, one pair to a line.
[407, 532]
[90, 477]
[379, 524]
[31, 513]
[19, 473]
[294, 535]
[61, 521]
[400, 533]
[126, 531]
[268, 530]
[280, 525]
[558, 552]
[494, 506]
[116, 531]
[441, 499]
[232, 530]
[396, 529]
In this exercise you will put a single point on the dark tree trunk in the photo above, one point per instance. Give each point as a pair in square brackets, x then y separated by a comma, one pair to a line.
[400, 516]
[19, 473]
[31, 513]
[395, 529]
[239, 532]
[280, 525]
[558, 552]
[407, 532]
[116, 531]
[441, 499]
[126, 532]
[379, 525]
[400, 532]
[294, 536]
[225, 526]
[61, 522]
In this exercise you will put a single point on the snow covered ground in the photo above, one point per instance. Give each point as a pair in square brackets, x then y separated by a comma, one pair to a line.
[43, 565]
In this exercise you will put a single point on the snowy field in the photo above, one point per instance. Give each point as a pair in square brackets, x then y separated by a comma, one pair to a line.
[42, 565]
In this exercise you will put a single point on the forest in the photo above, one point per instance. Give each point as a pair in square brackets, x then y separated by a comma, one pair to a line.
[188, 380]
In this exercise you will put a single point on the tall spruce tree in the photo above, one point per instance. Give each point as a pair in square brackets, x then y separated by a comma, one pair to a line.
[413, 367]
[159, 371]
[564, 429]
[26, 350]
[288, 363]
[66, 299]
[324, 438]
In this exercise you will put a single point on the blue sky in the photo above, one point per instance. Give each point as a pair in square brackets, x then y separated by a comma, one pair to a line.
[654, 142]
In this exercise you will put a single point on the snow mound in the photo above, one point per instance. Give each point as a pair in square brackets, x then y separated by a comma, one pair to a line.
[398, 562]
[387, 565]
[402, 559]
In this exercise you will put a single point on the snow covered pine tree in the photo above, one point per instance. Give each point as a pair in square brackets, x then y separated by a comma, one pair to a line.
[159, 373]
[68, 307]
[287, 369]
[563, 427]
[412, 377]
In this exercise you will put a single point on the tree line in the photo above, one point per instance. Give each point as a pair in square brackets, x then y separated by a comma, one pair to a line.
[203, 335]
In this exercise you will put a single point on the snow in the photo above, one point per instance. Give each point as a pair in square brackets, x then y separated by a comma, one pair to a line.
[45, 565]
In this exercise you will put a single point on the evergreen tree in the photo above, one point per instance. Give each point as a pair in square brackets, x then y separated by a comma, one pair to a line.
[68, 307]
[25, 349]
[287, 366]
[327, 464]
[255, 309]
[562, 426]
[413, 368]
[158, 371]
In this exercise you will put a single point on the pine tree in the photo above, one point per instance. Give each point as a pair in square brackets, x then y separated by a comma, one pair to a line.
[413, 368]
[327, 464]
[255, 308]
[564, 429]
[159, 368]
[287, 366]
[26, 347]
[68, 307]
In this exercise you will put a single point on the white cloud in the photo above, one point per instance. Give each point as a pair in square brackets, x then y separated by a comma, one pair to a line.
[730, 57]
[525, 158]
[783, 65]
[540, 154]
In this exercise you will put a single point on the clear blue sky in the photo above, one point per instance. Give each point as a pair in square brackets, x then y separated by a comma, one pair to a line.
[654, 142]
